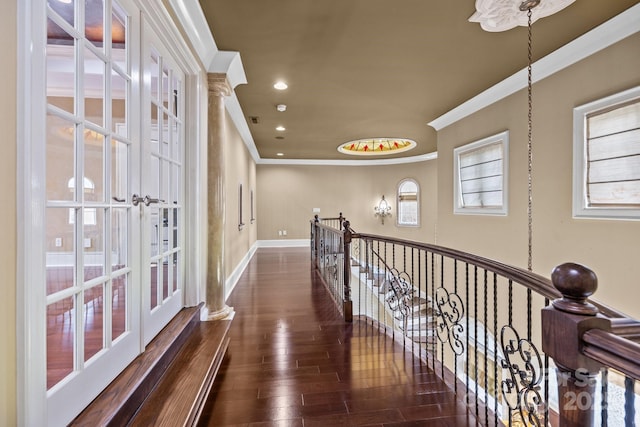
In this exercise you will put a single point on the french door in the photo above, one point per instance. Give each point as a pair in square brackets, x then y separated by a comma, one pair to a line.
[114, 150]
[162, 185]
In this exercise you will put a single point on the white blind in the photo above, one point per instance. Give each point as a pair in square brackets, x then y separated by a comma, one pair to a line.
[481, 176]
[613, 157]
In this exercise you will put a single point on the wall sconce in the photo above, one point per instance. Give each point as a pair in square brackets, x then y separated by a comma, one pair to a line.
[383, 209]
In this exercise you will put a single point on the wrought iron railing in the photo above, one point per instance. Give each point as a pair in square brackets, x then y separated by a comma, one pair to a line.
[494, 332]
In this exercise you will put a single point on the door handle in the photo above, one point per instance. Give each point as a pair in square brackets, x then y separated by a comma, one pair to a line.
[135, 200]
[149, 200]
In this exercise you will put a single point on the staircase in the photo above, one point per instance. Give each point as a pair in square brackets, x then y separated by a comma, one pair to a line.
[412, 310]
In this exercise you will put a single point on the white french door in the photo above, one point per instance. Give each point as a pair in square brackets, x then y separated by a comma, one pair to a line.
[113, 208]
[162, 185]
[92, 251]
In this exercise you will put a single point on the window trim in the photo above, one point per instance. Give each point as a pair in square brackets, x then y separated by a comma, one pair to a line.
[398, 223]
[581, 209]
[458, 207]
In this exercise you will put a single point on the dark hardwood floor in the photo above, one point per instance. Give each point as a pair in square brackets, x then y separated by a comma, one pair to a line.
[292, 361]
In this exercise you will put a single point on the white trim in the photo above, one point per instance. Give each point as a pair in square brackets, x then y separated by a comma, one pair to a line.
[158, 17]
[234, 277]
[195, 26]
[381, 162]
[195, 197]
[230, 64]
[234, 109]
[610, 32]
[30, 187]
[580, 208]
[285, 243]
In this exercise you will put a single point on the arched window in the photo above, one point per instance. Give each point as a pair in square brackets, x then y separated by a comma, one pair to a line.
[408, 203]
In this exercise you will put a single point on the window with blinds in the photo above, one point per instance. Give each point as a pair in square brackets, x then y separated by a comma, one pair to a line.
[607, 157]
[481, 176]
[408, 207]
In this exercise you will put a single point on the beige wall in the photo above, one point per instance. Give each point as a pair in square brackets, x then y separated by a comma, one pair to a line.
[8, 249]
[609, 247]
[240, 169]
[288, 194]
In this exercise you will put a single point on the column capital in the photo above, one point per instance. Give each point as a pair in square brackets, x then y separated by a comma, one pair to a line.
[218, 84]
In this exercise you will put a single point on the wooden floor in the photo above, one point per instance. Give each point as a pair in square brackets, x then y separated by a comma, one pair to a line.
[293, 362]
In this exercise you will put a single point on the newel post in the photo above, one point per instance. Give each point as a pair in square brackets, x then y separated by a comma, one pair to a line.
[347, 305]
[563, 324]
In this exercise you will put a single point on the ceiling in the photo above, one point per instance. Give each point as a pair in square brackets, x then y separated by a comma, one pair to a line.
[373, 68]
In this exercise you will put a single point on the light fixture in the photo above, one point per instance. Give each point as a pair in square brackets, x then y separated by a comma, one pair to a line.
[280, 154]
[281, 128]
[281, 107]
[65, 1]
[383, 209]
[376, 146]
[280, 85]
[502, 15]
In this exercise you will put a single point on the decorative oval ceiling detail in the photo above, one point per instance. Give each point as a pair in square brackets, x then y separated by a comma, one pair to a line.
[376, 146]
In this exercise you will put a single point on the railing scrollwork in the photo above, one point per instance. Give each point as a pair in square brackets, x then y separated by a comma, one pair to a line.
[449, 315]
[523, 364]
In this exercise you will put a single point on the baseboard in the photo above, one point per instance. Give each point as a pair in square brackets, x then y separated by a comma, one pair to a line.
[233, 278]
[284, 243]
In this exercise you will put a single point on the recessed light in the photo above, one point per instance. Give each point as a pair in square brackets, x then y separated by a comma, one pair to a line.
[280, 154]
[281, 129]
[65, 1]
[280, 85]
[281, 107]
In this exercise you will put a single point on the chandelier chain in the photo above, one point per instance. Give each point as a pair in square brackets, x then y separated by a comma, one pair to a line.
[529, 149]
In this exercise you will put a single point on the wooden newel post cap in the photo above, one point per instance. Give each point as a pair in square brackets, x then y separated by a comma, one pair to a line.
[346, 225]
[576, 283]
[317, 219]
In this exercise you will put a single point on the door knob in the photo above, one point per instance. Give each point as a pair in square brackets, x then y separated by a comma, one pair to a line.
[149, 200]
[135, 200]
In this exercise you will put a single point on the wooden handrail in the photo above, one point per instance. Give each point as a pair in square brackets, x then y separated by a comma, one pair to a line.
[613, 351]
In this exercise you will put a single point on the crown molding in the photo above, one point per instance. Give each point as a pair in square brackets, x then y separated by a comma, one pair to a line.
[378, 162]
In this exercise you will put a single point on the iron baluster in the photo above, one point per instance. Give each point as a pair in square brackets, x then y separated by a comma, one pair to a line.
[604, 416]
[455, 357]
[475, 332]
[486, 394]
[466, 267]
[629, 402]
[546, 380]
[442, 286]
[495, 348]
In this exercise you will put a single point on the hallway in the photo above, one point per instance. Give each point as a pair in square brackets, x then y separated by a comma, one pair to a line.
[292, 361]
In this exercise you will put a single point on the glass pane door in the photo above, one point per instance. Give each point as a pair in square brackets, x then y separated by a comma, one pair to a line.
[92, 329]
[162, 184]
